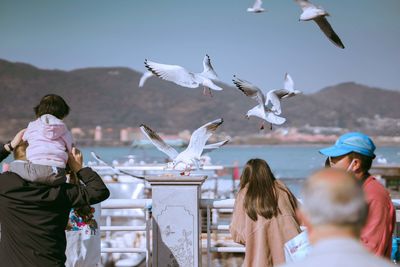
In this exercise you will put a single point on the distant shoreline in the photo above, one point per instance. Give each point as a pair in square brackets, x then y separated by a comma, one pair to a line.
[378, 144]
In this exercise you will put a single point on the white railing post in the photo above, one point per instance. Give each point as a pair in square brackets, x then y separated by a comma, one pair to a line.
[176, 220]
[148, 228]
[208, 236]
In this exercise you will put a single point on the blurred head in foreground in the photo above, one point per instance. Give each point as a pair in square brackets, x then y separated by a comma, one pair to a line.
[333, 205]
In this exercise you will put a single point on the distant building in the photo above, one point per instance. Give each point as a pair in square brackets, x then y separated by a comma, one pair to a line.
[77, 133]
[124, 135]
[98, 136]
[128, 134]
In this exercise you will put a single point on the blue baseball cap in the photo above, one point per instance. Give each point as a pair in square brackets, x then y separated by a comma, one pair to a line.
[351, 142]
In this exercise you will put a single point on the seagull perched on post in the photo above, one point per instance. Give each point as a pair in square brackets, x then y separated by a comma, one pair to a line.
[190, 157]
[256, 8]
[181, 76]
[318, 14]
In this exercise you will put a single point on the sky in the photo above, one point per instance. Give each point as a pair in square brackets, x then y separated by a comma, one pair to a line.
[261, 48]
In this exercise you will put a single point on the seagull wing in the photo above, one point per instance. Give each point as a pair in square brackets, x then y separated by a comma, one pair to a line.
[211, 147]
[208, 70]
[209, 83]
[274, 101]
[280, 93]
[257, 4]
[145, 76]
[200, 136]
[172, 73]
[250, 90]
[274, 119]
[117, 171]
[288, 84]
[324, 25]
[304, 4]
[158, 142]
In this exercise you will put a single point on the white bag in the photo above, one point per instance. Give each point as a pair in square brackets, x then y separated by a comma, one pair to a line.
[83, 245]
[297, 248]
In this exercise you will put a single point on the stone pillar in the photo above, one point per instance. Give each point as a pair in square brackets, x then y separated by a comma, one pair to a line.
[176, 220]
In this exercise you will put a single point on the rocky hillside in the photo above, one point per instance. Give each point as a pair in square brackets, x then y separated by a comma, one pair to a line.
[110, 97]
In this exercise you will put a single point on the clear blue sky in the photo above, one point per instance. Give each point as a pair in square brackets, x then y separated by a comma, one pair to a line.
[258, 47]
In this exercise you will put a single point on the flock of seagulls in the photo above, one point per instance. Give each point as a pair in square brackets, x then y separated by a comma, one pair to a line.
[268, 106]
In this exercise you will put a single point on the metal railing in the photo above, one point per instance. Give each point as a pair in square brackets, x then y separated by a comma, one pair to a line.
[142, 204]
[208, 204]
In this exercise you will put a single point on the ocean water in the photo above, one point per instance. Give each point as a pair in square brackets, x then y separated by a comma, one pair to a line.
[286, 161]
[290, 163]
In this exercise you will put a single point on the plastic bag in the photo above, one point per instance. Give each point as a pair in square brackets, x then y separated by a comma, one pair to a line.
[83, 238]
[297, 248]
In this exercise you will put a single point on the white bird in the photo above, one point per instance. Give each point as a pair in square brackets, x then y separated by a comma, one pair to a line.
[183, 77]
[256, 8]
[116, 171]
[263, 109]
[190, 157]
[318, 14]
[274, 96]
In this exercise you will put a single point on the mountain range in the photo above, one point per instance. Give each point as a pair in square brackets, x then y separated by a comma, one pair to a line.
[110, 97]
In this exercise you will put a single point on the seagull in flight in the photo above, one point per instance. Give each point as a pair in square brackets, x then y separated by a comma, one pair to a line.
[180, 76]
[116, 171]
[256, 8]
[190, 157]
[264, 109]
[318, 14]
[274, 96]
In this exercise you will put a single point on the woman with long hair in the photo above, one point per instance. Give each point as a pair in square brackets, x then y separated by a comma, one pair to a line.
[264, 217]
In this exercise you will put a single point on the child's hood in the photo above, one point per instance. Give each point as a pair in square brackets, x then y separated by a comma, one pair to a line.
[52, 127]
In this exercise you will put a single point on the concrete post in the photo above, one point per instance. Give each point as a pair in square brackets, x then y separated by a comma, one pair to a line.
[176, 220]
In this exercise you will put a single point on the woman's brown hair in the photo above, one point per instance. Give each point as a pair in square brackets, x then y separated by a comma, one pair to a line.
[261, 197]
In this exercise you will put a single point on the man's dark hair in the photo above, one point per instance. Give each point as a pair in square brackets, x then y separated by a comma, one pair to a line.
[366, 162]
[54, 105]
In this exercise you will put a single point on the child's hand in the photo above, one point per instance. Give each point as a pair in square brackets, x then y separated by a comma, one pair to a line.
[75, 159]
[17, 138]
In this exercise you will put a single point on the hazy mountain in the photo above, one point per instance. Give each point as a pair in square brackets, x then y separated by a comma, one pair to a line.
[110, 97]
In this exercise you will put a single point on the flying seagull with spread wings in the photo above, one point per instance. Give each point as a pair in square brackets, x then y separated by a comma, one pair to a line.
[180, 76]
[190, 157]
[318, 14]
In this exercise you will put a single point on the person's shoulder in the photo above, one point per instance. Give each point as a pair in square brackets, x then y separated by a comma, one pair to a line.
[374, 189]
[281, 186]
[7, 176]
[10, 180]
[33, 123]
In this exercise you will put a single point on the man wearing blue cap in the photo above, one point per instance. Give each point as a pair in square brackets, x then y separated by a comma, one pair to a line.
[354, 152]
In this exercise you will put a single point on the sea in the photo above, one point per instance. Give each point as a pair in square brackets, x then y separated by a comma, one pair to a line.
[292, 163]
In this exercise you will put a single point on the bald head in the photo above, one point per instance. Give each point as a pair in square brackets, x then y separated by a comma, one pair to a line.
[334, 197]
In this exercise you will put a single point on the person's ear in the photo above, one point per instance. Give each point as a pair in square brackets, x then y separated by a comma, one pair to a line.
[356, 165]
